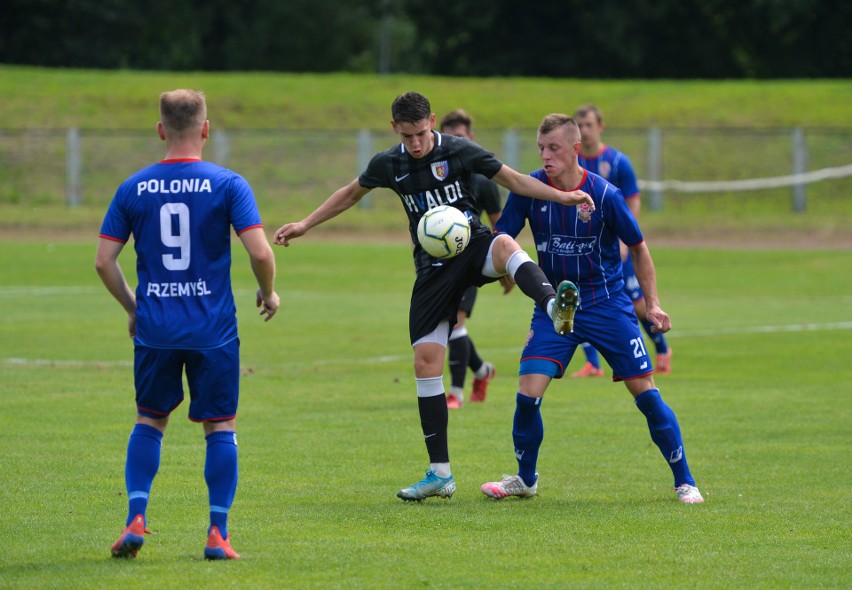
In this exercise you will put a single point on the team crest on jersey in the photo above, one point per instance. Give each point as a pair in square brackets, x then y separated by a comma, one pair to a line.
[604, 169]
[440, 169]
[583, 212]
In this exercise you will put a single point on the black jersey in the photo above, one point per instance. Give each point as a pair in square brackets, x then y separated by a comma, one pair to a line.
[444, 176]
[487, 195]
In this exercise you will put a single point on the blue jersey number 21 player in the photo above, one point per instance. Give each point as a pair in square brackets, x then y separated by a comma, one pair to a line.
[578, 244]
[182, 316]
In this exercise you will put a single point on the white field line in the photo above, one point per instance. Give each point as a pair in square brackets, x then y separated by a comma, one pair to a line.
[707, 332]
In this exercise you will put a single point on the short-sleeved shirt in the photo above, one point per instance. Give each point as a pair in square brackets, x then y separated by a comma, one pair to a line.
[573, 242]
[615, 167]
[180, 213]
[444, 176]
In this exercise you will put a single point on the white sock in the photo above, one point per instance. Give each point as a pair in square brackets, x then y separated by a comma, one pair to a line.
[442, 470]
[550, 305]
[458, 392]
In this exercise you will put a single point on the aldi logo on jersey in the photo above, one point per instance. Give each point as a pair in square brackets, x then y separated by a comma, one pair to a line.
[440, 169]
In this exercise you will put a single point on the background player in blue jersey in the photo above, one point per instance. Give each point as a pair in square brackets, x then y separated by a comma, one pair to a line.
[582, 246]
[182, 317]
[462, 351]
[614, 166]
[427, 169]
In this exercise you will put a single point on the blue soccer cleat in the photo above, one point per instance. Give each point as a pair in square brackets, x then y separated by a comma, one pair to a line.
[431, 485]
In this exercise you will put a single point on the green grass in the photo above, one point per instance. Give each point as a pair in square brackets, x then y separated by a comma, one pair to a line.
[48, 98]
[294, 137]
[328, 432]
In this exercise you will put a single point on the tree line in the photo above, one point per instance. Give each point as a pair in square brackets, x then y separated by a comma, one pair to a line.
[648, 39]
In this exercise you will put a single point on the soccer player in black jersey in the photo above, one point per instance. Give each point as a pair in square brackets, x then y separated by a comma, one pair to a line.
[428, 169]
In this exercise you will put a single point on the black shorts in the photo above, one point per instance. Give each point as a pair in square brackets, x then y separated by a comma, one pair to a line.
[439, 287]
[467, 300]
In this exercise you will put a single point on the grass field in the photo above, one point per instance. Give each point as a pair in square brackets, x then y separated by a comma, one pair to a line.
[329, 431]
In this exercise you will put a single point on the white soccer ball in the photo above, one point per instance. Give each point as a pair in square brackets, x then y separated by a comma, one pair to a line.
[443, 231]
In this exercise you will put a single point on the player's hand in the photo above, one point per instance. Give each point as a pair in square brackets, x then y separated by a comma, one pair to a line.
[660, 320]
[578, 198]
[508, 283]
[268, 305]
[287, 232]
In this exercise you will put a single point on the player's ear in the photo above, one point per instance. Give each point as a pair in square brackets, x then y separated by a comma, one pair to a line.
[205, 129]
[161, 131]
[432, 120]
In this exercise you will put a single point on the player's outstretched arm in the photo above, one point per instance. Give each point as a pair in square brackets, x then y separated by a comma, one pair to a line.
[341, 200]
[263, 266]
[106, 263]
[528, 186]
[647, 277]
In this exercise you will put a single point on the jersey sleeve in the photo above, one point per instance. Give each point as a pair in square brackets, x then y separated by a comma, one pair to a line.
[626, 180]
[116, 224]
[244, 212]
[480, 160]
[375, 175]
[618, 214]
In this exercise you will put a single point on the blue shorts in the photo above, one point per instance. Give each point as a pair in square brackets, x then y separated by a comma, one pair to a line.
[213, 377]
[610, 326]
[631, 283]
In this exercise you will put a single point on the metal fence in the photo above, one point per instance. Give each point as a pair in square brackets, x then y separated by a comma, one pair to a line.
[84, 166]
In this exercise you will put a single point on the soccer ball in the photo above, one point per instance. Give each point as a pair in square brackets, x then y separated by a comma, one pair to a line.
[443, 231]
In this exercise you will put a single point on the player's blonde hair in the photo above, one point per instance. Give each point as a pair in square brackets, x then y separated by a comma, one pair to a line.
[554, 121]
[182, 110]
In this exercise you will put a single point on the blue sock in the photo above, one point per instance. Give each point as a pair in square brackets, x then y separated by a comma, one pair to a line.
[527, 433]
[591, 355]
[143, 461]
[665, 432]
[220, 472]
[658, 338]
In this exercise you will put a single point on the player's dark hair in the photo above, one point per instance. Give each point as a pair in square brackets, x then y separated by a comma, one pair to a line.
[555, 121]
[587, 108]
[411, 107]
[456, 118]
[182, 110]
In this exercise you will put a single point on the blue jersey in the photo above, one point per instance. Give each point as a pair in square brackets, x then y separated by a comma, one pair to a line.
[615, 167]
[180, 213]
[574, 243]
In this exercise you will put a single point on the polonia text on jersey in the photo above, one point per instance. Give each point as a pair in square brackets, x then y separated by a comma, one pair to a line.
[176, 185]
[194, 289]
[422, 202]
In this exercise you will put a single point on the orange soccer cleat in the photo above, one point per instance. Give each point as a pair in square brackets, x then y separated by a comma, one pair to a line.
[588, 370]
[131, 538]
[217, 547]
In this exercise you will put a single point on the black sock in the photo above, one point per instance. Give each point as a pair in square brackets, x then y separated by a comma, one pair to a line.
[474, 361]
[459, 355]
[433, 419]
[533, 282]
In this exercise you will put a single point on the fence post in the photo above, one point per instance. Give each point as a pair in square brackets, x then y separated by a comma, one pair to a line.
[511, 148]
[365, 153]
[800, 164]
[73, 167]
[655, 165]
[221, 147]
